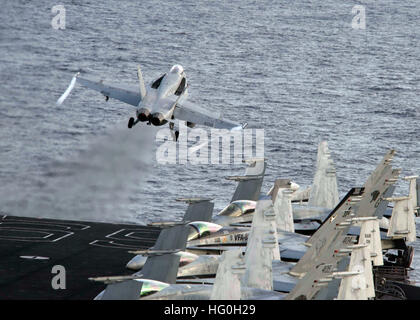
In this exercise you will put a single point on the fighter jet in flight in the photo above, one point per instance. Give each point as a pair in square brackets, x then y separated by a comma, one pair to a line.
[164, 101]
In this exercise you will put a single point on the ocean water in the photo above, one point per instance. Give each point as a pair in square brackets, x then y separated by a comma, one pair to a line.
[298, 70]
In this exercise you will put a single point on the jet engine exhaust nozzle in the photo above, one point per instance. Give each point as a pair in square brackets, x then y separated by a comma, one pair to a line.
[158, 119]
[143, 114]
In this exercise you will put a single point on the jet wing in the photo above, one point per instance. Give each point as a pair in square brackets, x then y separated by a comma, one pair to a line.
[187, 111]
[324, 252]
[124, 95]
[129, 96]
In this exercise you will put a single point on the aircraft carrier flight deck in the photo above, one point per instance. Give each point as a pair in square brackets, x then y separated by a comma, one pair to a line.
[31, 247]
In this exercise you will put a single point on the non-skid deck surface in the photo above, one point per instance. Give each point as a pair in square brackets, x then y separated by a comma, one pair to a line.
[30, 247]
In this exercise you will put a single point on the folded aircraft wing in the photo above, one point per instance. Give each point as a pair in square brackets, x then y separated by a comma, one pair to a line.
[188, 111]
[126, 95]
[165, 268]
[162, 268]
[327, 244]
[249, 185]
[198, 209]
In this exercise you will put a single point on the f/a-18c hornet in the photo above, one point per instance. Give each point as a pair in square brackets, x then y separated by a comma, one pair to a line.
[164, 101]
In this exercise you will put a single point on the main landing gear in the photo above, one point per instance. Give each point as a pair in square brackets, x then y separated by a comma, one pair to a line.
[174, 131]
[132, 122]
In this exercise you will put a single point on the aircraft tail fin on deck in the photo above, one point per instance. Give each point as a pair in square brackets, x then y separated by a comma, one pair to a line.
[370, 234]
[418, 194]
[262, 248]
[358, 203]
[402, 224]
[357, 283]
[324, 191]
[414, 192]
[282, 206]
[227, 285]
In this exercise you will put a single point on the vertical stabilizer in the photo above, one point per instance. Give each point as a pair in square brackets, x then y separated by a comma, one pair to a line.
[414, 192]
[402, 224]
[357, 283]
[324, 191]
[370, 234]
[227, 285]
[418, 194]
[262, 248]
[283, 209]
[143, 91]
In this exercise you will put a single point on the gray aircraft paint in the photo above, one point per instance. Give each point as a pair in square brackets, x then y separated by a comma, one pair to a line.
[326, 244]
[283, 209]
[227, 285]
[163, 268]
[249, 186]
[324, 190]
[163, 104]
[402, 224]
[262, 248]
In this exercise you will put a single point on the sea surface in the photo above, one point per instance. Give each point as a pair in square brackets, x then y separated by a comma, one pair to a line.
[298, 70]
